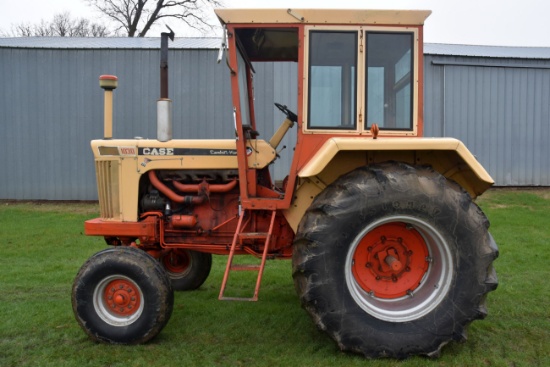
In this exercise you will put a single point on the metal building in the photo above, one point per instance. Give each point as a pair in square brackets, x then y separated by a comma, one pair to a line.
[495, 99]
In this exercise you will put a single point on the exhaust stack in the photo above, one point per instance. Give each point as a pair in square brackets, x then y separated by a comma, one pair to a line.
[108, 83]
[164, 104]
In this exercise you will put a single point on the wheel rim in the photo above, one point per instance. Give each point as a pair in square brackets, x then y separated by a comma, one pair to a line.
[118, 300]
[399, 268]
[176, 263]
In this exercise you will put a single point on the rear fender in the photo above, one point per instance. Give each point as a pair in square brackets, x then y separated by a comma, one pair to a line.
[337, 156]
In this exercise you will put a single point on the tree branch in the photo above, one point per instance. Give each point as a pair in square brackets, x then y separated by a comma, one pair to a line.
[137, 17]
[62, 25]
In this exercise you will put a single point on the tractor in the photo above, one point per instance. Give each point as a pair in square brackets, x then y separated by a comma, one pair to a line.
[391, 257]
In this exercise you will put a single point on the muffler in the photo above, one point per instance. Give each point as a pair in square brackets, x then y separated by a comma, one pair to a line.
[164, 104]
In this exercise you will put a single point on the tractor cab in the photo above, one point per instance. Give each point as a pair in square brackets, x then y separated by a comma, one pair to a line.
[351, 76]
[359, 74]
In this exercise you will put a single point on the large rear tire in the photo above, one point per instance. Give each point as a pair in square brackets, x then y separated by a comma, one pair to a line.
[393, 260]
[187, 269]
[122, 295]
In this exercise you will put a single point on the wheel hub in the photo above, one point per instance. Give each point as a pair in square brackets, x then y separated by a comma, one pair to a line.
[121, 297]
[390, 261]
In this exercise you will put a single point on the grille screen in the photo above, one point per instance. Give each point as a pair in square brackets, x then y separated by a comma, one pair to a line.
[108, 188]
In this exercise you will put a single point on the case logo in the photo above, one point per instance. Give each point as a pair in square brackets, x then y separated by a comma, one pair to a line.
[158, 151]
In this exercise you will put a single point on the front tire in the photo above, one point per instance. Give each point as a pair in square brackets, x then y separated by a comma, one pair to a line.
[393, 260]
[122, 295]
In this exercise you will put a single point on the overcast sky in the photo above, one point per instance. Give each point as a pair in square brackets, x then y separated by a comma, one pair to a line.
[474, 22]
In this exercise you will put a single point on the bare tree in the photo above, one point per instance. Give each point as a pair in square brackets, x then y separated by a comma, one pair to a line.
[20, 30]
[62, 25]
[136, 17]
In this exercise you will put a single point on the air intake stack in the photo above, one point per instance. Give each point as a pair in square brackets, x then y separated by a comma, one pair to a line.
[108, 83]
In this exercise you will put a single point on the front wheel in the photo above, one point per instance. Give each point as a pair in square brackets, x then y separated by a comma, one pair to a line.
[122, 295]
[393, 260]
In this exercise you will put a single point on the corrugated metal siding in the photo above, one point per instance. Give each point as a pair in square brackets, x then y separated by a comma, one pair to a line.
[46, 124]
[501, 113]
[51, 106]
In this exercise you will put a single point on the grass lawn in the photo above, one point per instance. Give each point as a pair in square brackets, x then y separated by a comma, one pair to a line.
[42, 247]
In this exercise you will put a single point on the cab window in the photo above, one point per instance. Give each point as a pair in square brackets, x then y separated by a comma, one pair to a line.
[332, 80]
[389, 94]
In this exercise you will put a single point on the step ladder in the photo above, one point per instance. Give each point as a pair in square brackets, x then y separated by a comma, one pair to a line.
[238, 239]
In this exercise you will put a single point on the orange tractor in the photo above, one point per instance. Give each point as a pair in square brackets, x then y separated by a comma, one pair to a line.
[390, 254]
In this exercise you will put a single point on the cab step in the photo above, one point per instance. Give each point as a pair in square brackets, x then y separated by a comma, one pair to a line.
[240, 238]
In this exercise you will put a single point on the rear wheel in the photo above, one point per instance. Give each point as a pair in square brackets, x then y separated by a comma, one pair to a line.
[122, 295]
[391, 272]
[187, 269]
[394, 260]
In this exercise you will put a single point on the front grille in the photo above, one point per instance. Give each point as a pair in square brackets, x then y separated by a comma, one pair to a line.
[107, 173]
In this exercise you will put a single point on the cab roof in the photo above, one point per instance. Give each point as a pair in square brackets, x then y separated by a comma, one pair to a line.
[323, 16]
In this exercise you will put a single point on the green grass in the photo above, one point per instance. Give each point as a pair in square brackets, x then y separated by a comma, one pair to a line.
[42, 247]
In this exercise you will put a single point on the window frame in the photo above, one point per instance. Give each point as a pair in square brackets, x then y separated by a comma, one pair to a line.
[361, 80]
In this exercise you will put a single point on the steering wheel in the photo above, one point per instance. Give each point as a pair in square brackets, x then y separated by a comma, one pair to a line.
[289, 114]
